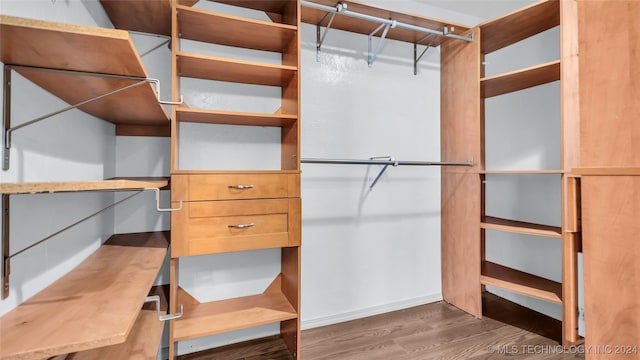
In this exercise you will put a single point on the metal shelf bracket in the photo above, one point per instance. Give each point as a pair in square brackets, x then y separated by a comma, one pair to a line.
[374, 53]
[393, 161]
[319, 36]
[158, 208]
[416, 58]
[156, 299]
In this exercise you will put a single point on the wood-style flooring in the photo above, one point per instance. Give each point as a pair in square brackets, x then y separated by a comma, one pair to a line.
[434, 331]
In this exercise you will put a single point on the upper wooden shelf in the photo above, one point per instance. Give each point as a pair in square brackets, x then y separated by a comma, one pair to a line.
[520, 282]
[202, 319]
[73, 186]
[96, 51]
[149, 16]
[240, 71]
[314, 16]
[211, 27]
[521, 172]
[520, 227]
[94, 305]
[520, 79]
[185, 114]
[519, 25]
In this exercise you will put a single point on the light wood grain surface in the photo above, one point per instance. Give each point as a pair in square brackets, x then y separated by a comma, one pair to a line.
[520, 79]
[71, 186]
[521, 282]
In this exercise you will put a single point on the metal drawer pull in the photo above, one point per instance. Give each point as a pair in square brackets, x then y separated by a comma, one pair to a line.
[241, 187]
[242, 226]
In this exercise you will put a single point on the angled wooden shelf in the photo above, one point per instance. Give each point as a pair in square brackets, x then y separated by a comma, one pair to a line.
[149, 16]
[202, 319]
[38, 48]
[240, 71]
[222, 29]
[314, 16]
[520, 282]
[143, 341]
[520, 227]
[522, 172]
[94, 305]
[519, 25]
[185, 114]
[520, 79]
[73, 186]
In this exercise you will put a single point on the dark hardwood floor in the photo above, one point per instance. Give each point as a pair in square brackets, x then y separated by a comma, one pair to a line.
[434, 331]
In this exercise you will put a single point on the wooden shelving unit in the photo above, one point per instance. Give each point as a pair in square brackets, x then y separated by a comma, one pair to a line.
[94, 305]
[46, 54]
[74, 186]
[247, 72]
[520, 79]
[521, 282]
[520, 227]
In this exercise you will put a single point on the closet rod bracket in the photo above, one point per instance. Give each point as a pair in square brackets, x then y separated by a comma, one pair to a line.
[156, 299]
[373, 53]
[393, 161]
[319, 36]
[416, 57]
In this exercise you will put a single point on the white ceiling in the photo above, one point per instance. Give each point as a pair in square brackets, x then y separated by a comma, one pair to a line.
[486, 9]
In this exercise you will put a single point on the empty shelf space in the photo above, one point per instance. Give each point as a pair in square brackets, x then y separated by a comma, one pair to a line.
[520, 227]
[360, 26]
[211, 27]
[150, 16]
[143, 341]
[520, 282]
[234, 314]
[94, 305]
[520, 79]
[240, 71]
[521, 172]
[519, 25]
[49, 46]
[73, 186]
[184, 114]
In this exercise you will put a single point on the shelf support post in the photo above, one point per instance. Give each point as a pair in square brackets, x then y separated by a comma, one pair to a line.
[319, 36]
[374, 53]
[6, 258]
[6, 118]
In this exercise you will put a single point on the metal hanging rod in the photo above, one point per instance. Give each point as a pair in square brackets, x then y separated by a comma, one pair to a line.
[341, 8]
[383, 162]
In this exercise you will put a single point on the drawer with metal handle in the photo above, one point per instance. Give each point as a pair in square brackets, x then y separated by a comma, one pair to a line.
[234, 186]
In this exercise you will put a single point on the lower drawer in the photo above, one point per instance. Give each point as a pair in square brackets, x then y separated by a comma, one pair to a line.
[210, 227]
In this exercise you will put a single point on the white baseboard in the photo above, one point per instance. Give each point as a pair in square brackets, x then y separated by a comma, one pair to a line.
[371, 311]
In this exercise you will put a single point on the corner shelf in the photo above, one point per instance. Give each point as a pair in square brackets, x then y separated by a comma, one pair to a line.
[520, 282]
[520, 227]
[519, 79]
[94, 305]
[240, 71]
[185, 114]
[202, 319]
[519, 25]
[211, 27]
[46, 54]
[74, 186]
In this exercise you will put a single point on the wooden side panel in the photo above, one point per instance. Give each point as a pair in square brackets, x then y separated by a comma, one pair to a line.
[609, 85]
[610, 208]
[460, 103]
[290, 329]
[569, 86]
[461, 241]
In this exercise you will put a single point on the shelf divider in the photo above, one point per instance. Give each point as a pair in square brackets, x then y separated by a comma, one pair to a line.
[520, 282]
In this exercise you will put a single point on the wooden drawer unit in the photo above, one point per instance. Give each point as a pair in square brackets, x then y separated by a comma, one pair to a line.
[209, 227]
[234, 186]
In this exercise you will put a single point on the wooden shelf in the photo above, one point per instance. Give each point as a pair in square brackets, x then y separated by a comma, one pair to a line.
[240, 71]
[184, 114]
[607, 171]
[49, 45]
[211, 27]
[520, 79]
[268, 6]
[522, 172]
[227, 172]
[520, 227]
[520, 282]
[314, 16]
[143, 341]
[73, 186]
[202, 319]
[519, 25]
[149, 16]
[94, 305]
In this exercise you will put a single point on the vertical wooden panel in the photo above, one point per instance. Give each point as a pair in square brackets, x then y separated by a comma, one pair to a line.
[609, 38]
[569, 86]
[174, 277]
[611, 231]
[290, 329]
[460, 103]
[175, 86]
[461, 241]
